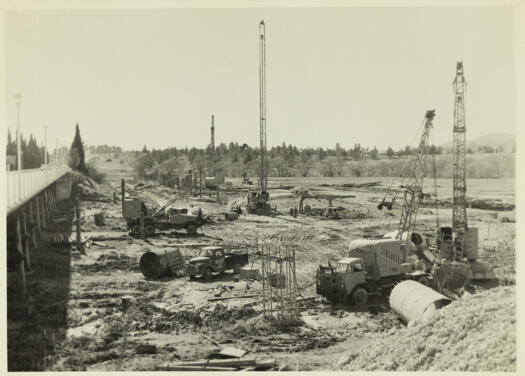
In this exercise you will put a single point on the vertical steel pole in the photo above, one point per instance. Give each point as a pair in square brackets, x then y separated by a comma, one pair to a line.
[262, 105]
[45, 145]
[78, 223]
[123, 193]
[18, 98]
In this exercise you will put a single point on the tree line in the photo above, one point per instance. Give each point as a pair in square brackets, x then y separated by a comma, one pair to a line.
[238, 160]
[33, 155]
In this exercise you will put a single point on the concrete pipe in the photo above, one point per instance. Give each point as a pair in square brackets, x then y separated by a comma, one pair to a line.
[156, 264]
[411, 300]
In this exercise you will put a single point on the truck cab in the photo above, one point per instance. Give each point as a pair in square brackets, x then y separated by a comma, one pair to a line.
[346, 282]
[215, 259]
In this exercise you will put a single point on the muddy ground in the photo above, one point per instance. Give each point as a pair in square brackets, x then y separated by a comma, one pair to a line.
[77, 321]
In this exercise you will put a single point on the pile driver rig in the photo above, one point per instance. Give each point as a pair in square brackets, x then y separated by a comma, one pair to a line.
[259, 201]
[460, 242]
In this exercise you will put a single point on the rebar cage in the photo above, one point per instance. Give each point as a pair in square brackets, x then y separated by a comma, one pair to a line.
[279, 287]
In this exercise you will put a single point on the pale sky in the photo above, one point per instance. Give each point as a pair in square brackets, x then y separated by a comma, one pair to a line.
[134, 77]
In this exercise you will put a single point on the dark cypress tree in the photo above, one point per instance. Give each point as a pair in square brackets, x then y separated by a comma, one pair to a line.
[76, 153]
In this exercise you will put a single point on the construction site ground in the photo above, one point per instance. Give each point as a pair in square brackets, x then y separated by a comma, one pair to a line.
[77, 321]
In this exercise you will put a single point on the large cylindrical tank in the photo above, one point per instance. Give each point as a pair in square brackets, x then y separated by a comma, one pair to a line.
[411, 300]
[156, 264]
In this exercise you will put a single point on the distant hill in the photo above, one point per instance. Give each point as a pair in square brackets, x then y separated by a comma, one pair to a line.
[495, 140]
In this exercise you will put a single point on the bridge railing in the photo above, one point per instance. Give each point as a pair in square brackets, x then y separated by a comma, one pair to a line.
[24, 184]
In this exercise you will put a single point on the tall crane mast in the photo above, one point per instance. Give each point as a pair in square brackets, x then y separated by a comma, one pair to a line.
[415, 186]
[262, 106]
[213, 144]
[459, 212]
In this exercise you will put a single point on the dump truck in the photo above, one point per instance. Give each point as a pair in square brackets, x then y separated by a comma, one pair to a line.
[373, 267]
[215, 259]
[171, 218]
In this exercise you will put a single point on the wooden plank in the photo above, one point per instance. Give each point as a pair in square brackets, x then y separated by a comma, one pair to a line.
[200, 369]
[106, 238]
[218, 363]
[233, 297]
[232, 352]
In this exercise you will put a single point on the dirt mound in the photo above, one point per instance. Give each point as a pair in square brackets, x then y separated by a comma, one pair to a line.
[91, 190]
[474, 333]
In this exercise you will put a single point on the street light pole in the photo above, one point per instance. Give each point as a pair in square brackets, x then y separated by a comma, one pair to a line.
[45, 145]
[18, 98]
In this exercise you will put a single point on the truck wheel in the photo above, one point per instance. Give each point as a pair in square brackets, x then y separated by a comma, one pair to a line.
[191, 229]
[359, 296]
[149, 230]
[135, 230]
[208, 273]
[236, 268]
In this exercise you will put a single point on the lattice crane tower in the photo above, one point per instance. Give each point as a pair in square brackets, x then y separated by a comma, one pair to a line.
[459, 213]
[262, 105]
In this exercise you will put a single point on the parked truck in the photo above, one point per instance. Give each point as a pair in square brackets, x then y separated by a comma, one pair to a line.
[373, 266]
[215, 260]
[171, 218]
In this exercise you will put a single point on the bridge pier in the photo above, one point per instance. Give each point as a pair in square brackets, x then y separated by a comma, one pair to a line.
[31, 202]
[43, 212]
[37, 215]
[25, 237]
[32, 224]
[29, 222]
[21, 266]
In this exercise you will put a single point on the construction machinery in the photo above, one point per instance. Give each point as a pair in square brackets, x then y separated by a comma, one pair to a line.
[371, 268]
[170, 218]
[460, 242]
[328, 212]
[215, 260]
[375, 265]
[217, 178]
[259, 201]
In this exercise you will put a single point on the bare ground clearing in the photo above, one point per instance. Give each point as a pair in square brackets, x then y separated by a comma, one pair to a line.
[174, 314]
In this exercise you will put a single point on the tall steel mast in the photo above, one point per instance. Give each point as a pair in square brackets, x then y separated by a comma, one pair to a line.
[459, 213]
[262, 106]
[213, 143]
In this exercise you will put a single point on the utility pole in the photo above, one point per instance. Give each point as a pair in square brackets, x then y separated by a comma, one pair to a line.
[459, 211]
[213, 143]
[262, 105]
[18, 98]
[45, 145]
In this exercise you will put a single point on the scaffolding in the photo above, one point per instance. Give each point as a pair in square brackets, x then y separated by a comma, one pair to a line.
[279, 286]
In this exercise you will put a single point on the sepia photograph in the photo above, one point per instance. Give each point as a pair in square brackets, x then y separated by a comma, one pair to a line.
[261, 186]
